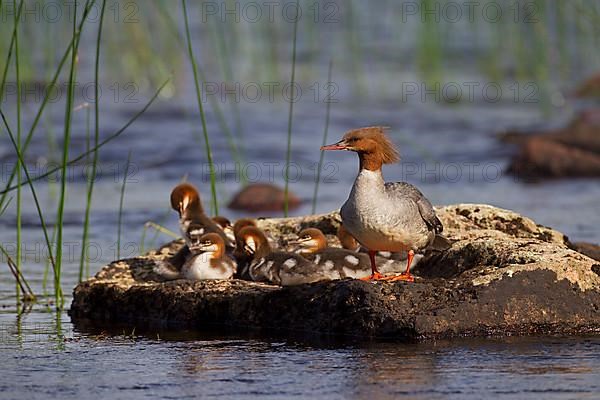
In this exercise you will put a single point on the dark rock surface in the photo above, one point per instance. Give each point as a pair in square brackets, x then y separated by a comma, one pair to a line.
[503, 275]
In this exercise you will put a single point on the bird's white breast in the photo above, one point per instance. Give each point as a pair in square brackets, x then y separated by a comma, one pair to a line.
[371, 216]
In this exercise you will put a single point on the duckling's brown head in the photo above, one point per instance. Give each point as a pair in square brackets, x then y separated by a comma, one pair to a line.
[222, 221]
[253, 242]
[185, 197]
[210, 243]
[311, 240]
[373, 146]
[225, 224]
[242, 223]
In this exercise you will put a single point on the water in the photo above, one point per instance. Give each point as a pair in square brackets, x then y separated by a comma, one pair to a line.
[50, 360]
[44, 355]
[38, 363]
[449, 151]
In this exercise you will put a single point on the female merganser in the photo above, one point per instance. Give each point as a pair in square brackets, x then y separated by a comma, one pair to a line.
[276, 267]
[385, 216]
[208, 259]
[185, 199]
[339, 263]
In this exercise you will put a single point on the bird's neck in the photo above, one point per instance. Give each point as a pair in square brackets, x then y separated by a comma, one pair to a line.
[369, 180]
[371, 161]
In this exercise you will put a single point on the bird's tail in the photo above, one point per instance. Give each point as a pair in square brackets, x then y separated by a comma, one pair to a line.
[440, 243]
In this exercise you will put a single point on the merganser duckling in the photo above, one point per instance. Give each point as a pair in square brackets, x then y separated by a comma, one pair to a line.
[278, 267]
[346, 239]
[242, 256]
[185, 199]
[340, 263]
[225, 224]
[385, 216]
[208, 259]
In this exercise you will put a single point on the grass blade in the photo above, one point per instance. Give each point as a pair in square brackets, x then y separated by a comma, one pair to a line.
[92, 179]
[18, 143]
[10, 47]
[120, 218]
[65, 158]
[102, 143]
[213, 188]
[288, 153]
[33, 192]
[47, 97]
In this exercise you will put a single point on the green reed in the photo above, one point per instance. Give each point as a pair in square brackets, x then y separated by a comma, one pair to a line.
[213, 183]
[288, 153]
[325, 131]
[122, 197]
[102, 143]
[32, 188]
[65, 160]
[18, 142]
[159, 229]
[92, 178]
[40, 111]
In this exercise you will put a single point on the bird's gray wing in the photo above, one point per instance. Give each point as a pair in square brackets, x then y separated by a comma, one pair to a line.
[403, 189]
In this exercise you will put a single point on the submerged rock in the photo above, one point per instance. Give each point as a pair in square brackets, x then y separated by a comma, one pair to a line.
[573, 151]
[503, 275]
[263, 197]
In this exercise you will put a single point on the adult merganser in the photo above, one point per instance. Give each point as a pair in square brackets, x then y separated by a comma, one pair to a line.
[338, 263]
[385, 216]
[278, 267]
[185, 199]
[208, 259]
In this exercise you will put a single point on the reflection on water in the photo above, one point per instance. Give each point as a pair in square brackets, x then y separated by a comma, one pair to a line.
[46, 356]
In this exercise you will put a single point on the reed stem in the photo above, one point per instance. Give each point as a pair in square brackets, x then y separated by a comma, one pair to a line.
[120, 217]
[288, 153]
[92, 178]
[100, 145]
[213, 185]
[18, 144]
[38, 115]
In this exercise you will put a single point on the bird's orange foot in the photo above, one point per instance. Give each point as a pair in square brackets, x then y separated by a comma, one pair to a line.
[375, 277]
[402, 277]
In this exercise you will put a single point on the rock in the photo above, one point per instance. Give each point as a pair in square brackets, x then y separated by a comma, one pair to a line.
[573, 151]
[544, 158]
[263, 197]
[590, 88]
[503, 275]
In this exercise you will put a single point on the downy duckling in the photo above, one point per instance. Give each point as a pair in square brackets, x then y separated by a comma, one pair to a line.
[208, 259]
[277, 267]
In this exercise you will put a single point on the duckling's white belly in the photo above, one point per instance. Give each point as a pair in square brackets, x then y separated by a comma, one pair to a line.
[199, 268]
